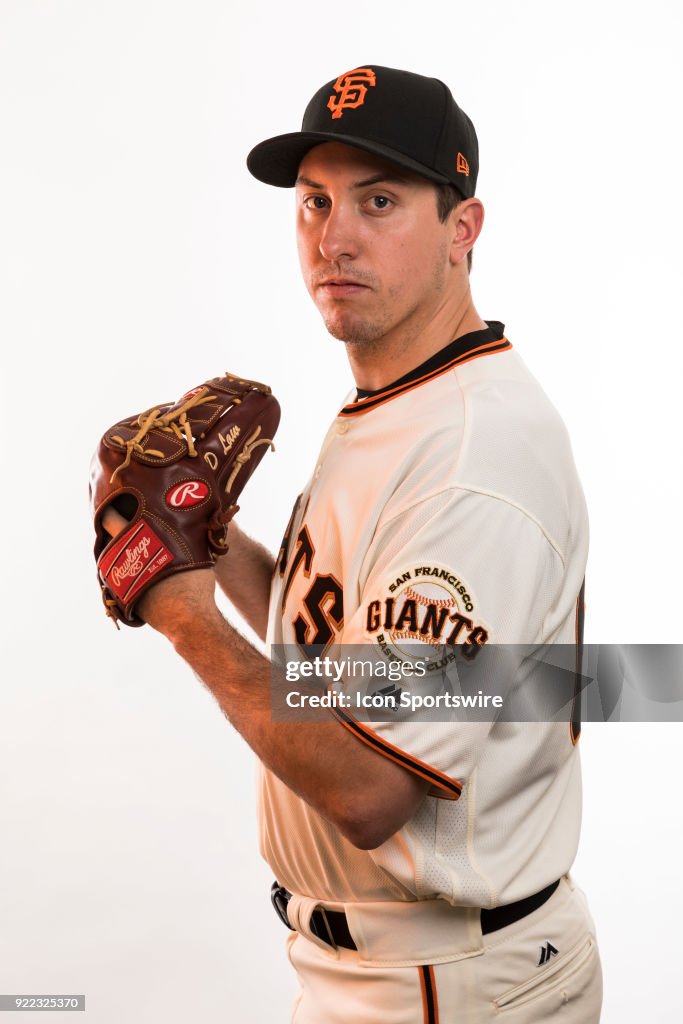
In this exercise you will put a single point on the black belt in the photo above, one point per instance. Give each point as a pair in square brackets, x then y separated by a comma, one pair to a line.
[332, 927]
[329, 925]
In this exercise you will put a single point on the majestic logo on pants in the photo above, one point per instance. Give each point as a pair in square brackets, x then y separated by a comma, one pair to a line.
[547, 952]
[351, 89]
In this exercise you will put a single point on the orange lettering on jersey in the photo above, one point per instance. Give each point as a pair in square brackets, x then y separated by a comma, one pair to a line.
[324, 604]
[476, 639]
[373, 616]
[304, 556]
[462, 166]
[281, 560]
[351, 89]
[434, 621]
[407, 620]
[460, 621]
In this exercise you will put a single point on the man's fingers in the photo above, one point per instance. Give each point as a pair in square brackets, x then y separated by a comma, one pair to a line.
[113, 522]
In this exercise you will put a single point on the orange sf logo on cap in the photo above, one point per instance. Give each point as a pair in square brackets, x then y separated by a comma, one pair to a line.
[351, 89]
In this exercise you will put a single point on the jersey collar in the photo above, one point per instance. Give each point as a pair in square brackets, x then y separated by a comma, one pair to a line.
[470, 346]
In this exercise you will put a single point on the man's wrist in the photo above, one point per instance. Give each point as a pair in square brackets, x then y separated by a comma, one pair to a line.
[176, 605]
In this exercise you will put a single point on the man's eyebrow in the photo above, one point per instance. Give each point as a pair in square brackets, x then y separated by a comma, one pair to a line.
[307, 181]
[375, 179]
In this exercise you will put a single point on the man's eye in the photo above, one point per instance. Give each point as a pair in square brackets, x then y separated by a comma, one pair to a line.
[380, 203]
[315, 202]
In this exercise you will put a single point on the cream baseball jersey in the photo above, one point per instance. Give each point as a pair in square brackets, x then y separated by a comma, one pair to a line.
[444, 509]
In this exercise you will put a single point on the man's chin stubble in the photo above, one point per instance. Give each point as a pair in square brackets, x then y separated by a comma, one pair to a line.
[357, 332]
[354, 337]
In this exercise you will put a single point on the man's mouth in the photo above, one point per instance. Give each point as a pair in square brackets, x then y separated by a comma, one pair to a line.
[339, 286]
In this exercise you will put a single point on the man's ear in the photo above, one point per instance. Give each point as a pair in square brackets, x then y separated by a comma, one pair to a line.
[467, 220]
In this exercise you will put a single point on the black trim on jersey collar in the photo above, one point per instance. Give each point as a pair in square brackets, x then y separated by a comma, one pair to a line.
[469, 346]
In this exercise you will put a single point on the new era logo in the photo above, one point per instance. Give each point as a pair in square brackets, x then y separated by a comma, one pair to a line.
[547, 952]
[462, 166]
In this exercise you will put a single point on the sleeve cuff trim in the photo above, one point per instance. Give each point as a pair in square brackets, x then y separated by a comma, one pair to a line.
[452, 787]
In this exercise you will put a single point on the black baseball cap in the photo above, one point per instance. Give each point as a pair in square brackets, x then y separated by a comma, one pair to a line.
[406, 118]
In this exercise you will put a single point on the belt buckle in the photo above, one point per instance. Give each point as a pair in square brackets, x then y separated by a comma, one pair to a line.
[279, 897]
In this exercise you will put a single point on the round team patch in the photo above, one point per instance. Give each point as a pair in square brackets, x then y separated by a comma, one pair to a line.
[187, 494]
[429, 609]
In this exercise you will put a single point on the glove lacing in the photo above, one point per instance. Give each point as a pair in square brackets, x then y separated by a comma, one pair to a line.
[173, 422]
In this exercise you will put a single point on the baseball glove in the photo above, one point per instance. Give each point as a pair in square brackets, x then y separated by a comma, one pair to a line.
[175, 472]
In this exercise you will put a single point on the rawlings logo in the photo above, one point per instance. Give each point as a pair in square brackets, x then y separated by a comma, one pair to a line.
[187, 494]
[351, 88]
[189, 394]
[132, 563]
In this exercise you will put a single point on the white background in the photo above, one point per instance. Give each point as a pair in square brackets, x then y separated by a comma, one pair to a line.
[137, 258]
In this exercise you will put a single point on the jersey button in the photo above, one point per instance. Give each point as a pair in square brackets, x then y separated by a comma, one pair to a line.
[342, 427]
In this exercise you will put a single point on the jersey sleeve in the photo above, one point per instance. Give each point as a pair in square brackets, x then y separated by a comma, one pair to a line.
[458, 572]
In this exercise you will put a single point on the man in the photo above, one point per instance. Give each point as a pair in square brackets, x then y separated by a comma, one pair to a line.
[423, 867]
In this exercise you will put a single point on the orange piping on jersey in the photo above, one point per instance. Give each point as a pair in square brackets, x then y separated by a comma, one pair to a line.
[382, 746]
[439, 794]
[430, 1005]
[374, 401]
[423, 988]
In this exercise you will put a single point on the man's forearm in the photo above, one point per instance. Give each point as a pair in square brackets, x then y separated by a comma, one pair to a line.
[240, 679]
[366, 796]
[244, 575]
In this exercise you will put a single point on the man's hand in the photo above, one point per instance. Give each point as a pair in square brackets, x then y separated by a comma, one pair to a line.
[171, 602]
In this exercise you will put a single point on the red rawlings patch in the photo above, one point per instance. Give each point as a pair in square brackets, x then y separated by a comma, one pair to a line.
[187, 494]
[136, 557]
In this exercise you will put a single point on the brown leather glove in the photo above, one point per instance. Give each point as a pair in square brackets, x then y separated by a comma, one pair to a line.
[176, 472]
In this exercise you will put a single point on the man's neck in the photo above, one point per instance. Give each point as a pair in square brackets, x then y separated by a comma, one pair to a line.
[391, 357]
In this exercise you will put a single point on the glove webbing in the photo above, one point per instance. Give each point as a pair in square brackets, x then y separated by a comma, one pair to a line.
[151, 420]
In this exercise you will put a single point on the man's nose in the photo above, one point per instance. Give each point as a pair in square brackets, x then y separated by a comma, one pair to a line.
[339, 238]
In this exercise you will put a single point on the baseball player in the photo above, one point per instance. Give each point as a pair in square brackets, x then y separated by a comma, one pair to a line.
[422, 867]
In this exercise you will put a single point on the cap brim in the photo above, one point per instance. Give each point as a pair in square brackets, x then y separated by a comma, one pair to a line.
[276, 161]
